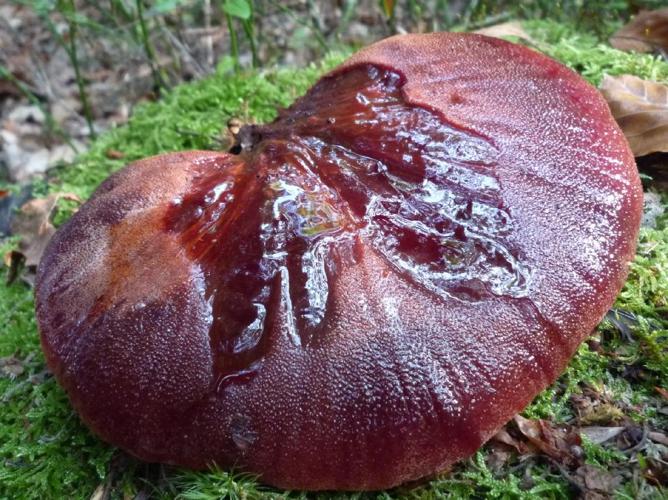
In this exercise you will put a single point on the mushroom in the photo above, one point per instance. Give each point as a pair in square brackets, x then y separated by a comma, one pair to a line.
[368, 290]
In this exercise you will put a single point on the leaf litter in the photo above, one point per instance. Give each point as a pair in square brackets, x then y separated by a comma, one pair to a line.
[641, 110]
[510, 29]
[33, 225]
[648, 32]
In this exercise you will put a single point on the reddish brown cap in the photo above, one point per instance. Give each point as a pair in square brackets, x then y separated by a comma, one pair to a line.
[370, 290]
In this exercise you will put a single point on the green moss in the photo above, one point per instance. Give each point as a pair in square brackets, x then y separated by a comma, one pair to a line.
[600, 455]
[44, 449]
[475, 479]
[217, 484]
[587, 368]
[46, 453]
[590, 57]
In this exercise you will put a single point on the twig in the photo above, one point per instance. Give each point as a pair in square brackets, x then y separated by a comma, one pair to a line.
[183, 49]
[72, 52]
[148, 48]
[117, 7]
[234, 45]
[248, 29]
[490, 21]
[208, 41]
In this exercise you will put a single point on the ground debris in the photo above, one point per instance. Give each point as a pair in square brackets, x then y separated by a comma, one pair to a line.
[507, 29]
[561, 443]
[648, 32]
[641, 110]
[598, 435]
[596, 481]
[33, 225]
[595, 408]
[11, 367]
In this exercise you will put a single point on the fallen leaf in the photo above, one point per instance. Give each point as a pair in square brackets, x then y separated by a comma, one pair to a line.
[497, 459]
[9, 203]
[641, 110]
[597, 479]
[658, 437]
[114, 154]
[33, 224]
[505, 438]
[40, 377]
[11, 367]
[530, 428]
[646, 33]
[594, 407]
[503, 30]
[558, 443]
[662, 391]
[600, 435]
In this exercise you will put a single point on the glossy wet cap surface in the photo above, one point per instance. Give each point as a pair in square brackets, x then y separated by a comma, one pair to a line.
[369, 290]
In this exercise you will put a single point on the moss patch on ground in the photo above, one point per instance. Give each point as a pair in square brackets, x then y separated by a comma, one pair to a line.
[45, 452]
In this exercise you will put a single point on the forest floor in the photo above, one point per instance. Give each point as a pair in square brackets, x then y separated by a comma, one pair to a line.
[600, 431]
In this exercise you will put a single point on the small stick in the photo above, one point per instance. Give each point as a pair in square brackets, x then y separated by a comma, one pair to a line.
[208, 40]
[148, 48]
[77, 73]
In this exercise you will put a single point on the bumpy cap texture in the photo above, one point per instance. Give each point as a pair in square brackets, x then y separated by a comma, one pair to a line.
[368, 291]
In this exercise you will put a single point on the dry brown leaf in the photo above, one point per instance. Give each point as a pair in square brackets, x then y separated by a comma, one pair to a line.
[505, 438]
[641, 110]
[530, 428]
[646, 33]
[11, 367]
[597, 479]
[114, 154]
[599, 434]
[33, 224]
[658, 437]
[511, 28]
[555, 442]
[662, 391]
[497, 458]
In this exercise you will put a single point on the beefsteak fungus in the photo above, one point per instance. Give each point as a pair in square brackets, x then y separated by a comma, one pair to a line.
[368, 288]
